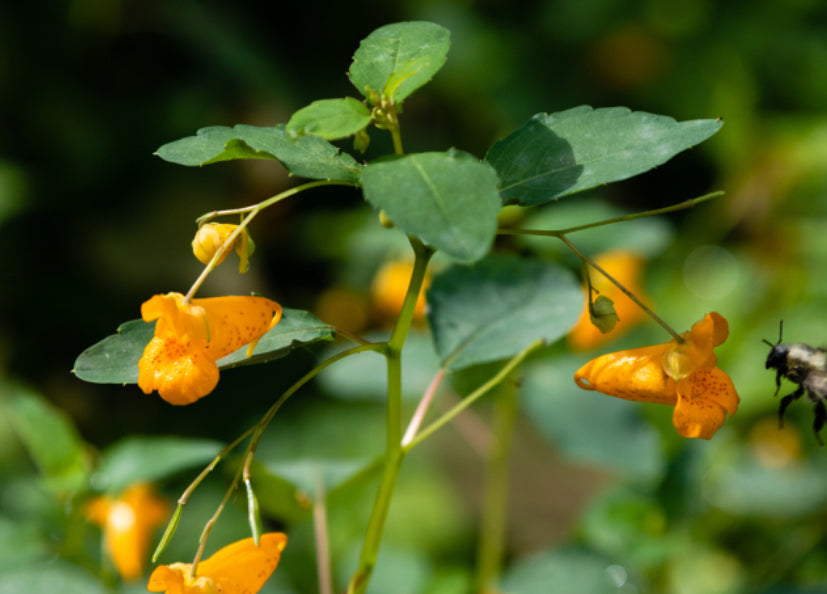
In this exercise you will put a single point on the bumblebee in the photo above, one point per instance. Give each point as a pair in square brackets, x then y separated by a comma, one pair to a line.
[803, 365]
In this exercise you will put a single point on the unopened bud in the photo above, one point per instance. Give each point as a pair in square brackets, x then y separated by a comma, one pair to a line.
[210, 238]
[603, 315]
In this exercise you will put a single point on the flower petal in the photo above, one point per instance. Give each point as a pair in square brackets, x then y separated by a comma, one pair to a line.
[179, 374]
[633, 374]
[176, 319]
[237, 320]
[715, 385]
[243, 567]
[168, 578]
[697, 417]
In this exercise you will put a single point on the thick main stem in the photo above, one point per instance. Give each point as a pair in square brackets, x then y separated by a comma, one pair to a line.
[394, 453]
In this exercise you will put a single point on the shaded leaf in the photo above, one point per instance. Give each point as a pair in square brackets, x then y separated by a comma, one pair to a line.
[295, 329]
[114, 360]
[309, 474]
[146, 459]
[51, 439]
[569, 570]
[448, 200]
[557, 154]
[397, 59]
[496, 308]
[330, 118]
[362, 377]
[306, 156]
[587, 427]
[54, 576]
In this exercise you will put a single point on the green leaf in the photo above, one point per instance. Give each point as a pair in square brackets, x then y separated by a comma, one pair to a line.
[496, 308]
[590, 428]
[51, 439]
[146, 459]
[309, 475]
[54, 576]
[570, 570]
[363, 377]
[558, 154]
[448, 200]
[114, 360]
[295, 329]
[330, 118]
[397, 59]
[306, 156]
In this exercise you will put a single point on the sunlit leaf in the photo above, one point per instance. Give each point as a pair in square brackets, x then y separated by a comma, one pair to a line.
[494, 309]
[557, 154]
[51, 439]
[146, 459]
[114, 360]
[397, 59]
[330, 118]
[305, 156]
[448, 200]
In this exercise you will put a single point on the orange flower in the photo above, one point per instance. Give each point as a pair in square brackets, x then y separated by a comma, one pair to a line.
[389, 287]
[211, 236]
[179, 362]
[682, 375]
[627, 268]
[128, 523]
[239, 568]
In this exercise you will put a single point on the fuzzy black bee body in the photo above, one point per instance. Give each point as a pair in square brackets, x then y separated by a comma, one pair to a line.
[803, 365]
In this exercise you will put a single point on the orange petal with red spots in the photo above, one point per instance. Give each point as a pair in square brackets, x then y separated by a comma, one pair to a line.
[237, 320]
[243, 567]
[181, 375]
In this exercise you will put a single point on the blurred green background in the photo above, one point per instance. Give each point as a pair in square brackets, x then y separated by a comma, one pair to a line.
[92, 224]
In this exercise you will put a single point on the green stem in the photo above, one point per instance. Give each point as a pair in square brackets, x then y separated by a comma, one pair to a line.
[625, 291]
[253, 211]
[476, 394]
[394, 453]
[495, 491]
[629, 217]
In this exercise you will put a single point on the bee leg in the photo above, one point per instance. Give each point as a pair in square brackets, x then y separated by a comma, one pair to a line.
[777, 382]
[821, 416]
[785, 402]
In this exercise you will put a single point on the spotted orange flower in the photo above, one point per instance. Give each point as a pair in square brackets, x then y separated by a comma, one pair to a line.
[179, 362]
[389, 287]
[683, 375]
[627, 268]
[128, 522]
[239, 568]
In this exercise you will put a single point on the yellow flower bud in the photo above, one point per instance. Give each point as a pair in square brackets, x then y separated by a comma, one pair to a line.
[210, 237]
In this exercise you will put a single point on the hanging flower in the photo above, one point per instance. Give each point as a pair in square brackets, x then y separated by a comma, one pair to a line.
[128, 522]
[211, 236]
[179, 362]
[683, 375]
[389, 287]
[239, 568]
[627, 268]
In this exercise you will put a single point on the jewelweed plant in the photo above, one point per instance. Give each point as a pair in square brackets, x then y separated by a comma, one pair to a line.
[489, 306]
